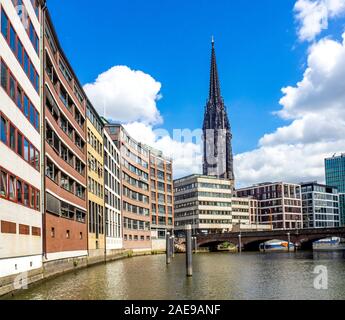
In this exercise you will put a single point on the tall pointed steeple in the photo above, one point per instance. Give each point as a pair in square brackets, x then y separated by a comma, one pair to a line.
[214, 93]
[218, 157]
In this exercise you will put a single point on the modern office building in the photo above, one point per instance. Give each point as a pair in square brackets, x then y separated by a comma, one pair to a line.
[162, 200]
[205, 202]
[64, 141]
[320, 205]
[135, 177]
[95, 182]
[20, 137]
[335, 177]
[112, 195]
[279, 204]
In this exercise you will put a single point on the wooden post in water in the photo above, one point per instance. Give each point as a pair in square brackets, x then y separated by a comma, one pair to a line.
[239, 243]
[173, 246]
[189, 253]
[289, 239]
[167, 239]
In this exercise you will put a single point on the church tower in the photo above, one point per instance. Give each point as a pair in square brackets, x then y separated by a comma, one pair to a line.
[218, 157]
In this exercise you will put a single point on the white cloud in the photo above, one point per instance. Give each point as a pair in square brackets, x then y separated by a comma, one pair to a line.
[313, 16]
[126, 95]
[316, 106]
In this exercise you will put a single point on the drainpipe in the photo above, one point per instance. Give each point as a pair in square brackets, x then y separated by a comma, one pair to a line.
[42, 132]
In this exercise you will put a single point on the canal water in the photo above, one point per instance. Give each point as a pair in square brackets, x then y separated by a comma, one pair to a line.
[216, 276]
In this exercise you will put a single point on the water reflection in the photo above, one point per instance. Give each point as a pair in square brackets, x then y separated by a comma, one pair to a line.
[215, 276]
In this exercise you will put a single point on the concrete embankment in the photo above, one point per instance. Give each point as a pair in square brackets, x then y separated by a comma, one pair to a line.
[10, 284]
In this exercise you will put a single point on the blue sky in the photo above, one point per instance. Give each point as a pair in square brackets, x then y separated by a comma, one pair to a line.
[170, 40]
[258, 53]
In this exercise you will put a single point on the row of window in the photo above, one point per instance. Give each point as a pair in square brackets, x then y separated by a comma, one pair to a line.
[138, 160]
[135, 238]
[94, 165]
[134, 182]
[16, 141]
[17, 190]
[112, 200]
[96, 218]
[135, 195]
[64, 97]
[63, 180]
[17, 94]
[135, 224]
[63, 209]
[63, 122]
[17, 48]
[63, 151]
[92, 116]
[27, 23]
[111, 150]
[23, 229]
[135, 209]
[111, 182]
[94, 142]
[95, 188]
[142, 174]
[197, 185]
[51, 41]
[112, 223]
[161, 221]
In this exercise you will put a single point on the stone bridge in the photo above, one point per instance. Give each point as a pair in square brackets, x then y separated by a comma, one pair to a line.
[251, 240]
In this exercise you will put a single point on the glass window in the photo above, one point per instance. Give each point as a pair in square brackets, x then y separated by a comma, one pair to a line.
[12, 188]
[32, 74]
[19, 191]
[32, 155]
[12, 39]
[4, 129]
[4, 24]
[3, 183]
[32, 197]
[20, 144]
[26, 106]
[4, 78]
[20, 52]
[12, 137]
[12, 88]
[26, 149]
[19, 98]
[32, 114]
[37, 160]
[26, 62]
[26, 195]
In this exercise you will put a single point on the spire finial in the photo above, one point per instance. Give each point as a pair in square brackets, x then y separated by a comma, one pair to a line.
[212, 40]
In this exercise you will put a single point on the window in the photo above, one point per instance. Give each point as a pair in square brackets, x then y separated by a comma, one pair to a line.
[12, 188]
[19, 97]
[4, 76]
[32, 115]
[20, 52]
[12, 88]
[32, 197]
[26, 150]
[26, 194]
[26, 106]
[12, 39]
[52, 232]
[4, 129]
[26, 63]
[4, 24]
[20, 144]
[3, 184]
[32, 155]
[19, 191]
[68, 234]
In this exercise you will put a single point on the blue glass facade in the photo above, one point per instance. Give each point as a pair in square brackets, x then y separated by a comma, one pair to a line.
[335, 176]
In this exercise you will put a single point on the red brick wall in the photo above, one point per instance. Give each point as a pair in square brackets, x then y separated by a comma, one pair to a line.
[60, 242]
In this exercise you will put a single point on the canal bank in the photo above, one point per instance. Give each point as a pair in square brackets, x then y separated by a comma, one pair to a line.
[53, 269]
